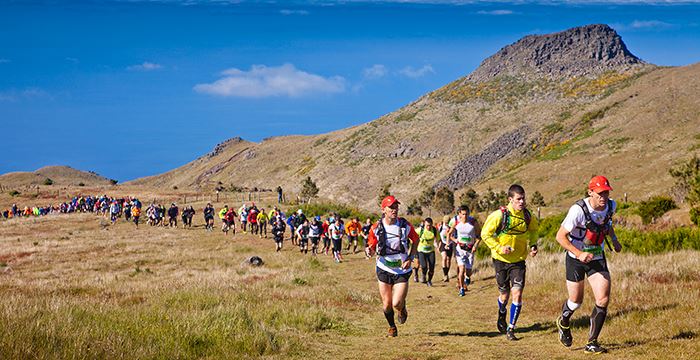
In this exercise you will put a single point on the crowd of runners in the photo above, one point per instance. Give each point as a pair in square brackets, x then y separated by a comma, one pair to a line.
[403, 251]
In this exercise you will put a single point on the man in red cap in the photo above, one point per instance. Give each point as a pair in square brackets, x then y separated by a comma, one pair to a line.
[395, 242]
[582, 234]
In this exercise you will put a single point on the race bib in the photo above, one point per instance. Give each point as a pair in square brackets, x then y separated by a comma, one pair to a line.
[393, 263]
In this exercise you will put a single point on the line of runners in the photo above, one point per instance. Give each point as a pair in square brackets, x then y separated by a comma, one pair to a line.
[510, 233]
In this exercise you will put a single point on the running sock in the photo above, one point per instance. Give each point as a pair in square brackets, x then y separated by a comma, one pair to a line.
[514, 313]
[389, 315]
[567, 311]
[501, 306]
[597, 319]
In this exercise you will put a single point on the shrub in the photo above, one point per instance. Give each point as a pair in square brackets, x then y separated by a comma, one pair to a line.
[383, 192]
[444, 200]
[309, 190]
[414, 208]
[538, 199]
[113, 181]
[470, 198]
[14, 193]
[48, 181]
[325, 208]
[695, 216]
[655, 207]
[81, 184]
[654, 242]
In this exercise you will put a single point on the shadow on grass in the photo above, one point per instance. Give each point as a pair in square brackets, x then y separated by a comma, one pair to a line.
[584, 321]
[491, 334]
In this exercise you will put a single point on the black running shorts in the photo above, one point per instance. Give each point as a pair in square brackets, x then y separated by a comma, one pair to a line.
[576, 270]
[391, 279]
[509, 276]
[446, 249]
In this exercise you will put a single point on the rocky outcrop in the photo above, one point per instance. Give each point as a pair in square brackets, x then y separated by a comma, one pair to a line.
[220, 147]
[582, 51]
[473, 167]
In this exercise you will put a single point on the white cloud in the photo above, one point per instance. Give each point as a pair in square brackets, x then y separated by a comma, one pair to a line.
[145, 66]
[650, 24]
[409, 71]
[293, 12]
[495, 12]
[15, 95]
[4, 61]
[263, 81]
[73, 60]
[375, 72]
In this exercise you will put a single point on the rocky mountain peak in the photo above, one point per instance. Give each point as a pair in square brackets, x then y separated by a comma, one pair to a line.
[582, 51]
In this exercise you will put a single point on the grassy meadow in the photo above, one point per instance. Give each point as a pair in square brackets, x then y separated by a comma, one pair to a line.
[75, 287]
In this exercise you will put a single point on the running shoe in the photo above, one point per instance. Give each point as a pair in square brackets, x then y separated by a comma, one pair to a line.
[393, 331]
[501, 322]
[403, 315]
[429, 283]
[510, 334]
[461, 292]
[565, 337]
[467, 281]
[594, 348]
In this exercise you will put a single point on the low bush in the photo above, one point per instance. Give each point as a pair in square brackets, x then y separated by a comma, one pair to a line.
[655, 208]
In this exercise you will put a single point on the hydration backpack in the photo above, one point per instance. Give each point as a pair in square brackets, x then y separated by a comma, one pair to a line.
[595, 232]
[382, 248]
[504, 225]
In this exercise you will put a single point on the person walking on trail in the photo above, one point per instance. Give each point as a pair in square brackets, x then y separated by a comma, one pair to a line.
[303, 236]
[208, 213]
[230, 221]
[136, 215]
[291, 222]
[395, 243]
[468, 233]
[427, 242]
[353, 231]
[326, 236]
[336, 231]
[278, 228]
[173, 212]
[511, 233]
[279, 194]
[262, 219]
[243, 212]
[315, 230]
[582, 234]
[445, 247]
[365, 235]
[222, 217]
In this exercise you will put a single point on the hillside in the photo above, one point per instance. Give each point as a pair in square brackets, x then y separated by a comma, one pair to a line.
[547, 111]
[60, 175]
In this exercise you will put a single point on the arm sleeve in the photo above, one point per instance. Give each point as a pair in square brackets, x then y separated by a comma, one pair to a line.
[489, 229]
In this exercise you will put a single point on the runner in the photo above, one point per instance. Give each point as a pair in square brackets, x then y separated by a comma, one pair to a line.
[510, 232]
[222, 217]
[243, 212]
[278, 232]
[467, 230]
[336, 231]
[262, 223]
[230, 221]
[445, 247]
[208, 217]
[353, 231]
[394, 241]
[325, 235]
[427, 242]
[582, 234]
[173, 212]
[303, 236]
[253, 220]
[315, 230]
[291, 221]
[365, 235]
[113, 211]
[136, 214]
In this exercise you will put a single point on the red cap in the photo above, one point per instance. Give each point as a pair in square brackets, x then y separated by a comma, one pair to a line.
[599, 183]
[389, 200]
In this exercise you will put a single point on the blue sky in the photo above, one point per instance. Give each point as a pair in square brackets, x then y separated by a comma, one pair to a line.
[136, 88]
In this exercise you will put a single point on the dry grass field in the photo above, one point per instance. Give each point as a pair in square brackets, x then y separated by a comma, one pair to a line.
[74, 287]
